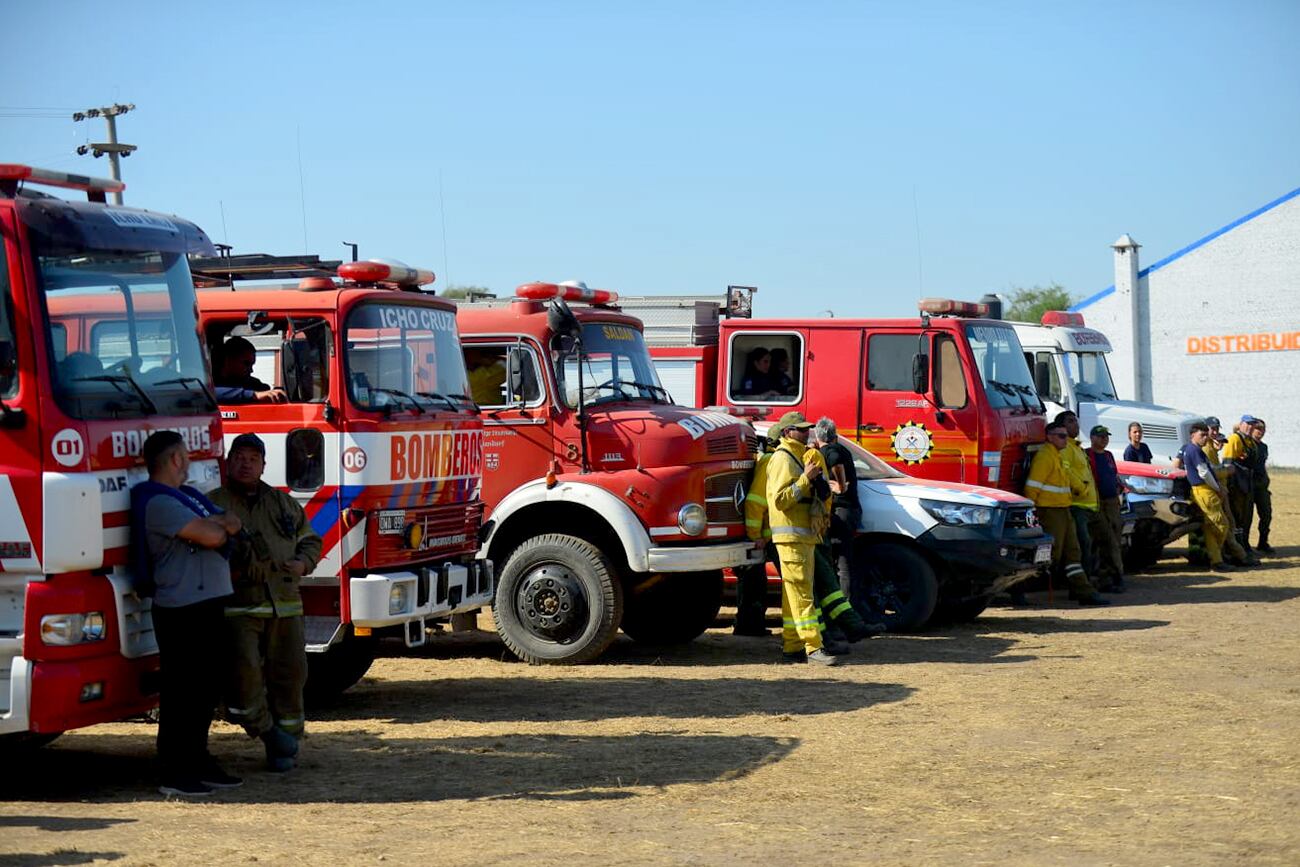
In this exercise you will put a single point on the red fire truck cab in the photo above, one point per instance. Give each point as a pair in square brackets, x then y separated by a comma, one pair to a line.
[608, 505]
[374, 434]
[98, 349]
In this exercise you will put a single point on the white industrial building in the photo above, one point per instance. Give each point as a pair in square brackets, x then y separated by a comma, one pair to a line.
[1215, 327]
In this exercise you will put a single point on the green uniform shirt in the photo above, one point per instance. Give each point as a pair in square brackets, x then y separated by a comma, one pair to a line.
[277, 531]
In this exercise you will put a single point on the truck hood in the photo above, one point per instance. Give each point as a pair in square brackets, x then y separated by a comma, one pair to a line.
[1165, 429]
[660, 435]
[908, 488]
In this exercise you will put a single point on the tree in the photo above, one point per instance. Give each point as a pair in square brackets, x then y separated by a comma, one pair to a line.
[1029, 305]
[459, 293]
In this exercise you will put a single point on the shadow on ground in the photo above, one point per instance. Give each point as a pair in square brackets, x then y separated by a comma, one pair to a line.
[57, 858]
[359, 767]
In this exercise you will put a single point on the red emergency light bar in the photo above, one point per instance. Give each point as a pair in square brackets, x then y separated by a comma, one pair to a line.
[949, 307]
[385, 271]
[16, 172]
[1061, 317]
[565, 291]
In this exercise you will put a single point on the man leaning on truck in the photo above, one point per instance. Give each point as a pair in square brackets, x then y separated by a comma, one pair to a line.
[1053, 488]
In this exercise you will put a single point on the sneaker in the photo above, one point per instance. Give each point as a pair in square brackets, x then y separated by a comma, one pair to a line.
[215, 778]
[185, 789]
[795, 658]
[821, 657]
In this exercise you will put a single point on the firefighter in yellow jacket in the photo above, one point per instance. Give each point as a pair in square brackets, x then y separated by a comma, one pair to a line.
[1053, 488]
[264, 617]
[793, 502]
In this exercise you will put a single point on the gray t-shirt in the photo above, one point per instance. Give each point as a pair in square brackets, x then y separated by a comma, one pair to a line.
[184, 573]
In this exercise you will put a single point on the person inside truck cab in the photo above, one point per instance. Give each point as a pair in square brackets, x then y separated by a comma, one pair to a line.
[757, 381]
[234, 379]
[781, 381]
[486, 368]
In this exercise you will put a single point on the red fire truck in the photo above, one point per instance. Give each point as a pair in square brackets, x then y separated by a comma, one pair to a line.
[98, 349]
[608, 505]
[375, 436]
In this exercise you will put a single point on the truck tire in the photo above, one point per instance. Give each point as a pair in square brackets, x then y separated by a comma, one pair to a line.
[675, 607]
[331, 673]
[893, 585]
[558, 601]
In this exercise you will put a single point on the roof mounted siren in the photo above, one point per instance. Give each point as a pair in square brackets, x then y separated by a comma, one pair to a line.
[96, 189]
[1063, 318]
[387, 272]
[994, 304]
[949, 307]
[569, 290]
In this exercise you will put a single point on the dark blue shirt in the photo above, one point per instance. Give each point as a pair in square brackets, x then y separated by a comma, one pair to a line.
[1195, 463]
[1140, 454]
[1106, 474]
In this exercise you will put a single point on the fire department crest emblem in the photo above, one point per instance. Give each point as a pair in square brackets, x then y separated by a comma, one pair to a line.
[911, 442]
[492, 460]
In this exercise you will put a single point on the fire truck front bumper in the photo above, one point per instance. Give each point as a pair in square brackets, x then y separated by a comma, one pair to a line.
[702, 558]
[380, 599]
[987, 562]
[73, 693]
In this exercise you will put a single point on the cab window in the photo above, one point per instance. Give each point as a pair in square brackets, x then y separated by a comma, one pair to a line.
[287, 353]
[1044, 367]
[949, 377]
[766, 368]
[889, 361]
[503, 374]
[9, 353]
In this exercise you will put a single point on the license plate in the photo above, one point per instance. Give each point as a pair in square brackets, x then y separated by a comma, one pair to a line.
[1043, 554]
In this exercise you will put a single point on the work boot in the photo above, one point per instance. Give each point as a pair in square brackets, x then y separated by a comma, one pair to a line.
[866, 630]
[797, 657]
[281, 747]
[1089, 599]
[821, 657]
[836, 647]
[1224, 567]
[1115, 586]
[1264, 548]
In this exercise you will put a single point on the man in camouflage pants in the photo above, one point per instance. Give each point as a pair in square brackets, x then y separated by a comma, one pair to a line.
[264, 617]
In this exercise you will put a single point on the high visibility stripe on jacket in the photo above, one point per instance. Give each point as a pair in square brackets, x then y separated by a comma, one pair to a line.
[1083, 486]
[1048, 484]
[756, 525]
[789, 494]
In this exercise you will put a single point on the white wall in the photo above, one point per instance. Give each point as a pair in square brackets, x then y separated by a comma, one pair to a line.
[1244, 280]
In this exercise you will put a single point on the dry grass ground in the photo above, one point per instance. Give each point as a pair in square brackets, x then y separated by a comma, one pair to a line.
[1162, 730]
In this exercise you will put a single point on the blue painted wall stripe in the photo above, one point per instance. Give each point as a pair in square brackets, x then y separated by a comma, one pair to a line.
[1092, 299]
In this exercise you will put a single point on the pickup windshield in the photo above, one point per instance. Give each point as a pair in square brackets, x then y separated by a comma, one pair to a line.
[405, 358]
[616, 366]
[122, 331]
[1002, 367]
[1090, 375]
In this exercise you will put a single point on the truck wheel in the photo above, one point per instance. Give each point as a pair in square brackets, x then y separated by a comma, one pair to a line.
[893, 585]
[558, 601]
[330, 673]
[674, 608]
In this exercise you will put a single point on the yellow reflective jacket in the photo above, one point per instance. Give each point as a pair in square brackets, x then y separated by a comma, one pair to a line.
[1082, 485]
[793, 513]
[1049, 483]
[756, 525]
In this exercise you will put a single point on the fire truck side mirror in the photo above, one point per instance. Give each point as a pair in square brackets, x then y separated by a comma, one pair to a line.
[561, 321]
[920, 373]
[289, 369]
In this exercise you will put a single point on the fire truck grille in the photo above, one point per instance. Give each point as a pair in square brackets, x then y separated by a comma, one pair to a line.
[724, 445]
[446, 528]
[1159, 432]
[724, 503]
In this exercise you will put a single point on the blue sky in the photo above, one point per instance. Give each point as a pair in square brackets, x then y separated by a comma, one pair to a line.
[842, 156]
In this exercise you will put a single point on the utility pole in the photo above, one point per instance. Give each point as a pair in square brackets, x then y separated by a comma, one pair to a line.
[111, 147]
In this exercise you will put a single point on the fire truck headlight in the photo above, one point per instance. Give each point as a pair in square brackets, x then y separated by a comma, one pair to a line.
[958, 514]
[692, 519]
[399, 598]
[1149, 484]
[63, 630]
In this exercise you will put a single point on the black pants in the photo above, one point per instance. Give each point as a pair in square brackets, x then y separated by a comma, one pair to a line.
[192, 662]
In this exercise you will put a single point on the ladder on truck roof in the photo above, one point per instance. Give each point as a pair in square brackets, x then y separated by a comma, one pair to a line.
[688, 320]
[214, 271]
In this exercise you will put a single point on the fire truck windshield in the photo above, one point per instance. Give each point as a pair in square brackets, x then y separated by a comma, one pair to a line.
[122, 332]
[404, 357]
[1090, 375]
[1002, 366]
[616, 366]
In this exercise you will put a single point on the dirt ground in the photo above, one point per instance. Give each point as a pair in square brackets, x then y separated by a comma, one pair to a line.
[1162, 730]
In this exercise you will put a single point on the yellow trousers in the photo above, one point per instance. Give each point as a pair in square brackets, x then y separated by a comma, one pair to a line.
[1214, 521]
[798, 612]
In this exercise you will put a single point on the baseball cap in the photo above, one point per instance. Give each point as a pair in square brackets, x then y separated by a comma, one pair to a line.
[1099, 430]
[248, 441]
[1212, 421]
[1249, 418]
[789, 420]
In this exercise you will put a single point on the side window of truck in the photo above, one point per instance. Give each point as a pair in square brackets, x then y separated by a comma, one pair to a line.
[8, 342]
[949, 377]
[889, 361]
[491, 367]
[294, 358]
[766, 367]
[1044, 367]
